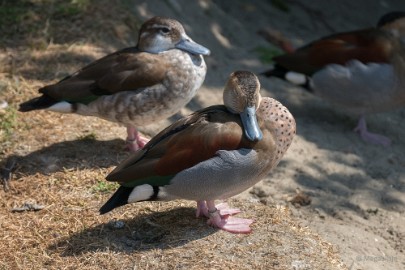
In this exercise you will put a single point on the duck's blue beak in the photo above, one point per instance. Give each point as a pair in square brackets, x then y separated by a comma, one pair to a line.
[186, 44]
[250, 125]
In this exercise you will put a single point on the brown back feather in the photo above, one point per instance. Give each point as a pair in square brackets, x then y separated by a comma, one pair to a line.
[184, 144]
[125, 70]
[370, 45]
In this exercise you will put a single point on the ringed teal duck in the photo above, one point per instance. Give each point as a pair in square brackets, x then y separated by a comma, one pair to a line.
[134, 86]
[361, 71]
[213, 154]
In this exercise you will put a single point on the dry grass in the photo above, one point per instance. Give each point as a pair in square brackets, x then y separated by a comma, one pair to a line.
[61, 162]
[69, 233]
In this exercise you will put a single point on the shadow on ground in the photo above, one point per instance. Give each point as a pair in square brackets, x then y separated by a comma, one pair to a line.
[156, 230]
[76, 154]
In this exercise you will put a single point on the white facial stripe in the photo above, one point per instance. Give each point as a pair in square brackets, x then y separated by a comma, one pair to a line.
[160, 26]
[140, 193]
[144, 34]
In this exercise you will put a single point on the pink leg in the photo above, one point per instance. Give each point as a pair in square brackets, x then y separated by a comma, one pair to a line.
[202, 210]
[134, 140]
[227, 223]
[368, 136]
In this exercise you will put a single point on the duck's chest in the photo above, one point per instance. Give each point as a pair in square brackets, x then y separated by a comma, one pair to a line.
[184, 76]
[185, 72]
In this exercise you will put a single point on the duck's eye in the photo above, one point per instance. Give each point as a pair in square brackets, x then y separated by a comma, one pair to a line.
[165, 30]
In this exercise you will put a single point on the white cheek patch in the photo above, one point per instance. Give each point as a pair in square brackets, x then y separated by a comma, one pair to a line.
[140, 193]
[159, 41]
[63, 107]
[158, 44]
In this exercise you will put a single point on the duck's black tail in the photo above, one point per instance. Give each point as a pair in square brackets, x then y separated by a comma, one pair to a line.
[37, 103]
[119, 198]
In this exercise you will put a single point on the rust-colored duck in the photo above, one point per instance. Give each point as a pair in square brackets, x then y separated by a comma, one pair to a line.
[361, 71]
[214, 153]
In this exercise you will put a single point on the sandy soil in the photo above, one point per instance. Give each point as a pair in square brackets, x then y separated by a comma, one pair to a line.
[356, 189]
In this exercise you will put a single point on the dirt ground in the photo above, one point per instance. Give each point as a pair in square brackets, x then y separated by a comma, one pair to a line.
[355, 219]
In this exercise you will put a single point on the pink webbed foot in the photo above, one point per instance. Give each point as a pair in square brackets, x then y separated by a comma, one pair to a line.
[229, 224]
[370, 137]
[220, 217]
[136, 144]
[134, 140]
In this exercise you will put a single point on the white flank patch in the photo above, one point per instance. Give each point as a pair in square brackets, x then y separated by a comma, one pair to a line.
[63, 107]
[140, 193]
[3, 104]
[295, 78]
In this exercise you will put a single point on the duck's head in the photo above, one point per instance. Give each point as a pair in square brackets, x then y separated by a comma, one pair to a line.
[242, 96]
[393, 22]
[160, 34]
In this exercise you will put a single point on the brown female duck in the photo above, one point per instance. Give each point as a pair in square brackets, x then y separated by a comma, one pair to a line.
[134, 86]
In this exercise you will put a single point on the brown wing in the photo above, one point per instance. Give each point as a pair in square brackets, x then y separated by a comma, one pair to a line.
[183, 145]
[370, 45]
[124, 70]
